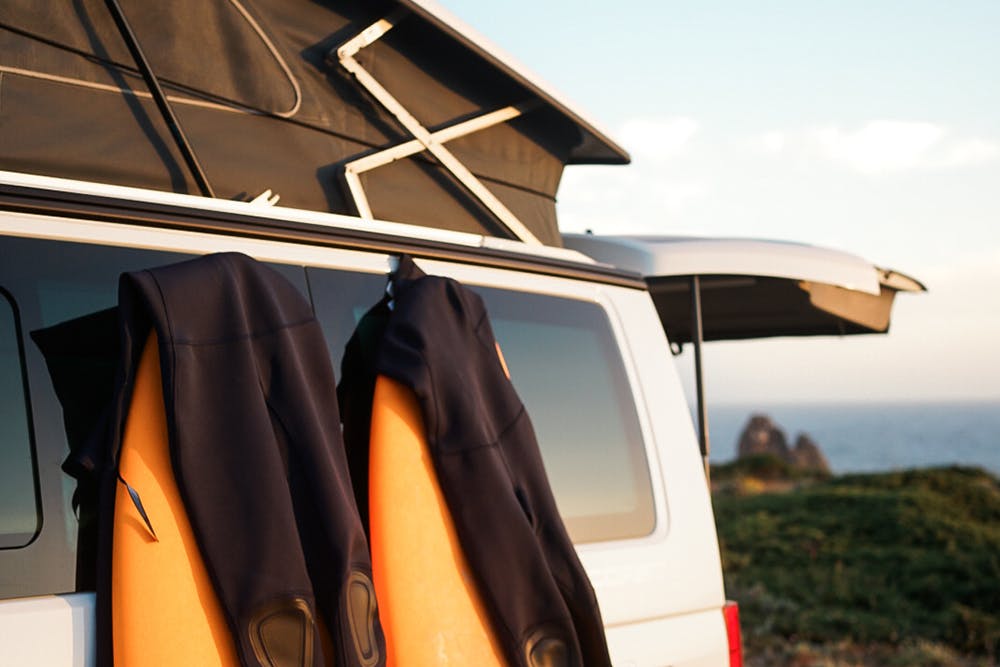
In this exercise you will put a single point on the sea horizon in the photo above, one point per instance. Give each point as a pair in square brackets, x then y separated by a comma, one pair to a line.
[873, 436]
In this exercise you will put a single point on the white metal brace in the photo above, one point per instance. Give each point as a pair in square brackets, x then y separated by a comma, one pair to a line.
[353, 169]
[423, 139]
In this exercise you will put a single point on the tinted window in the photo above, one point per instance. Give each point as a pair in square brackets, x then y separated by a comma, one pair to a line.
[19, 519]
[52, 283]
[565, 365]
[340, 299]
[63, 292]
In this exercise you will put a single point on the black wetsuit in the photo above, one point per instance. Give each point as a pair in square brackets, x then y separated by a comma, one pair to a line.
[256, 446]
[437, 340]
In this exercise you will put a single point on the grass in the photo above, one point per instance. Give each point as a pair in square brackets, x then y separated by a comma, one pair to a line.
[904, 563]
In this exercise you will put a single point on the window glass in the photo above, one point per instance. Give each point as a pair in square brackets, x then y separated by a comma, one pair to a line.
[567, 369]
[19, 517]
[63, 293]
[341, 298]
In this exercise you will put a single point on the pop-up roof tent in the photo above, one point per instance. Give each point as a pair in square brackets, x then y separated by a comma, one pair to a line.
[390, 109]
[707, 289]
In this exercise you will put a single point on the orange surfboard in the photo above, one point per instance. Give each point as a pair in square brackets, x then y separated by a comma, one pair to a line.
[428, 605]
[164, 609]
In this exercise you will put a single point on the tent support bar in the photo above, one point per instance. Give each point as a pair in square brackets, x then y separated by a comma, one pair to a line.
[160, 98]
[353, 169]
[420, 134]
[697, 337]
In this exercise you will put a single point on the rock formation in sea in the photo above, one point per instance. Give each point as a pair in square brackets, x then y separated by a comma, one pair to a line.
[763, 436]
[807, 455]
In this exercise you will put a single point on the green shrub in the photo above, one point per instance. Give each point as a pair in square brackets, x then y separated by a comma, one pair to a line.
[765, 467]
[885, 558]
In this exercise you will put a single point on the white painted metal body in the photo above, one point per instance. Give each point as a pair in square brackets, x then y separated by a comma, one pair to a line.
[660, 256]
[56, 630]
[661, 595]
[686, 256]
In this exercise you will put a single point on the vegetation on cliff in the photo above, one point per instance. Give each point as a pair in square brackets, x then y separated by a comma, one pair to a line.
[902, 565]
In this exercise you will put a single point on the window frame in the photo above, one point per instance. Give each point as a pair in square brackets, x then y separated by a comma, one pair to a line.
[8, 297]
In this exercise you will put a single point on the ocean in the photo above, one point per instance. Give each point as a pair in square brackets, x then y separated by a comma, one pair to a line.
[873, 437]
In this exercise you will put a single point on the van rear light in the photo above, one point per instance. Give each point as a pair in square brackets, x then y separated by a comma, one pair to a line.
[731, 612]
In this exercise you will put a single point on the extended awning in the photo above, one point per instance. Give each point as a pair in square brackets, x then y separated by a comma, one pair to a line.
[754, 288]
[708, 289]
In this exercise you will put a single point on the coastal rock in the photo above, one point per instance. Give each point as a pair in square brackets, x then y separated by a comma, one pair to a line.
[807, 455]
[762, 436]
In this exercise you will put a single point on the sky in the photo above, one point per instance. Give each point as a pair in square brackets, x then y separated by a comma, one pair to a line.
[872, 128]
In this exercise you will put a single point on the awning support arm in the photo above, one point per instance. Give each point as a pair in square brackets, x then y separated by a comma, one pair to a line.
[160, 98]
[697, 338]
[420, 134]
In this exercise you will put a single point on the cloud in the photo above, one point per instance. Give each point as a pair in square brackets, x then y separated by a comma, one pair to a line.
[674, 196]
[658, 139]
[639, 198]
[772, 142]
[883, 146]
[964, 286]
[642, 197]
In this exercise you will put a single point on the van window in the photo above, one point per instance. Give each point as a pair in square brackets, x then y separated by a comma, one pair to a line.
[567, 369]
[19, 517]
[63, 293]
[53, 282]
[340, 299]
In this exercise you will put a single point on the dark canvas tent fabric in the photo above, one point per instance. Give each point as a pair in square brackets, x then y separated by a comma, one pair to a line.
[265, 106]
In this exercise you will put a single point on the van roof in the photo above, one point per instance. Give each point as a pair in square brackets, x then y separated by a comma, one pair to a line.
[260, 207]
[45, 195]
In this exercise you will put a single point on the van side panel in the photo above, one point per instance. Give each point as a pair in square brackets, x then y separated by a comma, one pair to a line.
[660, 589]
[688, 640]
[49, 630]
[664, 607]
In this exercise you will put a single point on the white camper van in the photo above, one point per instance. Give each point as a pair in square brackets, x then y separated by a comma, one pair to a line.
[584, 342]
[343, 106]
